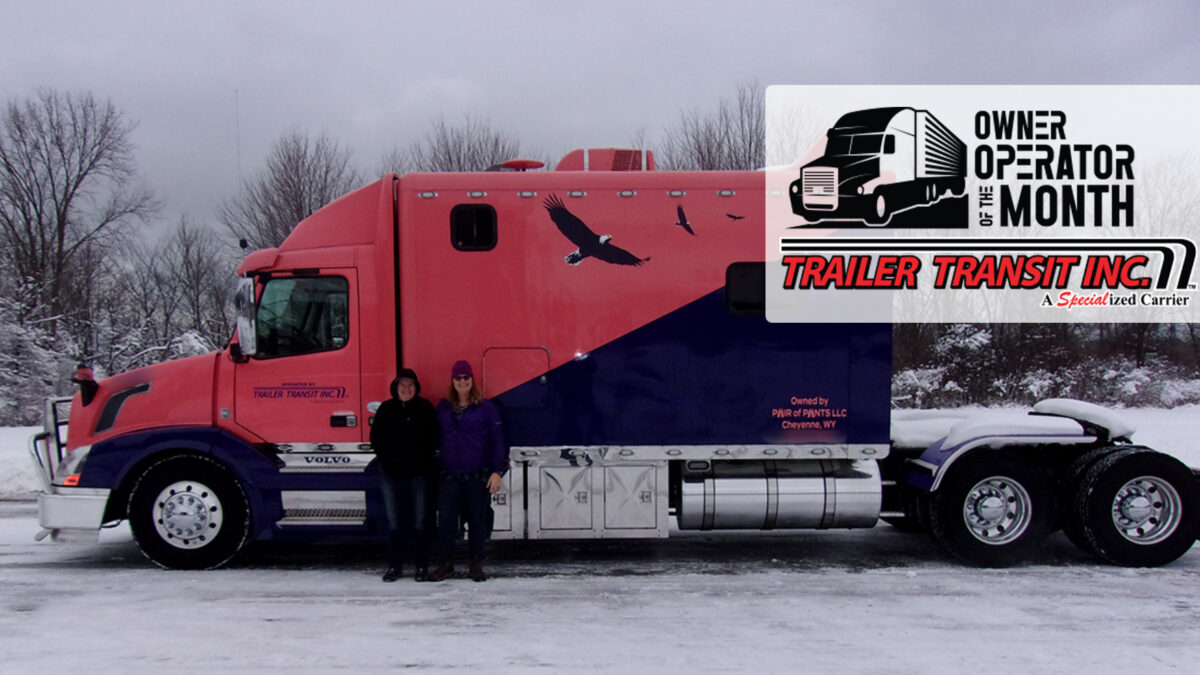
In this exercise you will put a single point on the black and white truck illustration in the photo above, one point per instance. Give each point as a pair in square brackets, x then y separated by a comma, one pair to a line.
[878, 162]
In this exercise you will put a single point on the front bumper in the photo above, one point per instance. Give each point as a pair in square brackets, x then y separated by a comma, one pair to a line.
[68, 508]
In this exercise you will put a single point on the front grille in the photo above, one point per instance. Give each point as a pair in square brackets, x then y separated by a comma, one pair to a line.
[820, 181]
[821, 188]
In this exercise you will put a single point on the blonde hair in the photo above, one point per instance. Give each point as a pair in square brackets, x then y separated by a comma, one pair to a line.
[473, 397]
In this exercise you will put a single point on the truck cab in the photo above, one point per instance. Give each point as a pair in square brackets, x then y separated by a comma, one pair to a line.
[878, 162]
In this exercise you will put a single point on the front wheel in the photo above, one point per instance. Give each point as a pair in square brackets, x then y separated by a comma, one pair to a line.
[991, 510]
[1139, 508]
[880, 211]
[188, 512]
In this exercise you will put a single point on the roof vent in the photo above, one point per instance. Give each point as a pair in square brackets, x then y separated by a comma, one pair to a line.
[607, 159]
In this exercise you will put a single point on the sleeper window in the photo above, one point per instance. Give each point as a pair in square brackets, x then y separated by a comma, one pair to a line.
[745, 287]
[473, 227]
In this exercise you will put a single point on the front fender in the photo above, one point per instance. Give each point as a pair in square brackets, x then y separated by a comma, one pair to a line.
[116, 463]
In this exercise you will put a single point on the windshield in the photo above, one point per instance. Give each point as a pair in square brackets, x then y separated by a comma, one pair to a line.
[854, 144]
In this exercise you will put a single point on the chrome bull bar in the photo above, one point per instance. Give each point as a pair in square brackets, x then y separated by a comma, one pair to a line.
[47, 446]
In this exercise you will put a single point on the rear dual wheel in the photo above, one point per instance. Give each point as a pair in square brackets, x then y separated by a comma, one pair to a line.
[992, 509]
[1137, 508]
[1070, 517]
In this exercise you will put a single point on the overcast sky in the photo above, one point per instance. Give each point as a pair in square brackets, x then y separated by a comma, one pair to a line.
[209, 82]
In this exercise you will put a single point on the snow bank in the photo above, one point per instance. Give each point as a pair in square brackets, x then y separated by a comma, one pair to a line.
[17, 477]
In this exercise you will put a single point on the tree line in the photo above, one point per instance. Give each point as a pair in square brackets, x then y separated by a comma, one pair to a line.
[89, 274]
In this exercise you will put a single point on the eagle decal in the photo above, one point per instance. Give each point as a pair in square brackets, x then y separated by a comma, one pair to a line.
[591, 245]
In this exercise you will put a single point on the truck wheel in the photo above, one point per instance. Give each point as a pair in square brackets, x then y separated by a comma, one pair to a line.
[1139, 508]
[188, 512]
[880, 213]
[992, 509]
[1070, 517]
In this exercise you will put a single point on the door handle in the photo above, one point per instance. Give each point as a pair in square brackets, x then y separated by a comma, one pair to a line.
[343, 420]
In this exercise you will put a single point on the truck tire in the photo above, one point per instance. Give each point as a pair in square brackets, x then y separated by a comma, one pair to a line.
[188, 512]
[993, 509]
[1071, 518]
[880, 211]
[1139, 508]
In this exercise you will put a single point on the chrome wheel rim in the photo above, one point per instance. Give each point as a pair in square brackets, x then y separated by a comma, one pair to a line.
[997, 510]
[187, 514]
[1146, 510]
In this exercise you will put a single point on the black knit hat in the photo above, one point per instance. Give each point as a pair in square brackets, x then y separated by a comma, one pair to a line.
[400, 375]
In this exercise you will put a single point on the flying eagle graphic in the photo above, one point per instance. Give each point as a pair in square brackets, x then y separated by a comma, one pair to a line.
[590, 244]
[734, 218]
[683, 221]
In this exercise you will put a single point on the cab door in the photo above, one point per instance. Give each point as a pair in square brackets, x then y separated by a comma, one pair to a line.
[302, 385]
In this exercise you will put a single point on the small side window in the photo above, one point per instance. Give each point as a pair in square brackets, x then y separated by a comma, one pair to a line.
[745, 288]
[889, 145]
[473, 227]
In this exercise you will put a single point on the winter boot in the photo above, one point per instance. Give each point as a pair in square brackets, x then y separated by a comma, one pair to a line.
[442, 572]
[393, 574]
[476, 570]
[422, 574]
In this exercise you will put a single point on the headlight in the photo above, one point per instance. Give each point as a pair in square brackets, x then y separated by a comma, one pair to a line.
[72, 466]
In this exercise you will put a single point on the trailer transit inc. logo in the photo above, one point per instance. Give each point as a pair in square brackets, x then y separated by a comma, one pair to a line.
[1058, 204]
[301, 391]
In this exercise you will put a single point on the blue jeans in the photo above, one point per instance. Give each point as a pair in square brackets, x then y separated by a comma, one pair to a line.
[405, 500]
[466, 494]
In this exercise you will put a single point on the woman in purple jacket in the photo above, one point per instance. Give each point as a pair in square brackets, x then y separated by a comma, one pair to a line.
[474, 460]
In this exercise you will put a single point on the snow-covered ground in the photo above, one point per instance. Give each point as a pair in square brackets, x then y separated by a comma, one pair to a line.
[866, 601]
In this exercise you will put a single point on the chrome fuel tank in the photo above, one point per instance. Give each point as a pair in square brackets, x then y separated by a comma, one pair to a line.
[804, 494]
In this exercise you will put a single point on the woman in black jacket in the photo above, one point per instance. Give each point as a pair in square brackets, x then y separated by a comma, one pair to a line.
[404, 436]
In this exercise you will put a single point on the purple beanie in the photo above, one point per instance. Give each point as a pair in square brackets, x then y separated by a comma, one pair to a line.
[461, 368]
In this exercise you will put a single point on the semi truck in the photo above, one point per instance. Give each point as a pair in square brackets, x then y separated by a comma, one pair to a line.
[642, 389]
[879, 162]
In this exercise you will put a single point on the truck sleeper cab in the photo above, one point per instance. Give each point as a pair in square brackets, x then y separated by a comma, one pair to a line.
[637, 377]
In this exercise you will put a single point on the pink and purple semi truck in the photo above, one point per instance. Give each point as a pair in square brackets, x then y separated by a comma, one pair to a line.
[641, 387]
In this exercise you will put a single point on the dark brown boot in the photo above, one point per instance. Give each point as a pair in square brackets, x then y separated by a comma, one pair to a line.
[476, 571]
[442, 572]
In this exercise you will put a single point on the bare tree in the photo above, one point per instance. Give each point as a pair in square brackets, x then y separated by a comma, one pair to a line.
[640, 138]
[397, 160]
[67, 184]
[731, 137]
[301, 175]
[202, 273]
[471, 146]
[161, 301]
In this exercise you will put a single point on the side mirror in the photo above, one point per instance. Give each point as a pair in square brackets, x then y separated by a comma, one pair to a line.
[243, 301]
